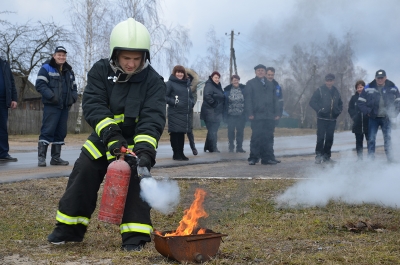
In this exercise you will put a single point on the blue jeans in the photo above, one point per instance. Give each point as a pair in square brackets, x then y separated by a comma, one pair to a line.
[4, 147]
[54, 125]
[373, 127]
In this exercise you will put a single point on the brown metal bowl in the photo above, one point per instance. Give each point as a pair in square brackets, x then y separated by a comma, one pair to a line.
[190, 248]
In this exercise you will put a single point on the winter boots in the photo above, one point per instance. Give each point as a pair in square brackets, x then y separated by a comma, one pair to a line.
[192, 144]
[55, 156]
[177, 144]
[42, 151]
[231, 147]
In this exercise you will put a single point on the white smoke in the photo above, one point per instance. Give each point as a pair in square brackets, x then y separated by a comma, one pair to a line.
[162, 195]
[351, 182]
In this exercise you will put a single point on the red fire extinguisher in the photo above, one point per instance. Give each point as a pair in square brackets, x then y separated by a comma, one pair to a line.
[115, 190]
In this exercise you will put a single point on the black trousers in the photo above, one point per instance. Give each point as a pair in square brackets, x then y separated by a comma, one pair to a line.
[177, 143]
[262, 140]
[80, 197]
[325, 131]
[359, 143]
[212, 136]
[236, 125]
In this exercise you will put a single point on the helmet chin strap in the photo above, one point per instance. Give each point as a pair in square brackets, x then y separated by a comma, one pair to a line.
[120, 75]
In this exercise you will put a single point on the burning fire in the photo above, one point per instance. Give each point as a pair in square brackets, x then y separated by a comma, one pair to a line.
[192, 215]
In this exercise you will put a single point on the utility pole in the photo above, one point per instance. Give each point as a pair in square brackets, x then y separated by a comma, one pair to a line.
[232, 55]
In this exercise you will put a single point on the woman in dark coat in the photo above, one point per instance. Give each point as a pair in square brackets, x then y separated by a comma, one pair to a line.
[360, 125]
[212, 110]
[180, 102]
[234, 114]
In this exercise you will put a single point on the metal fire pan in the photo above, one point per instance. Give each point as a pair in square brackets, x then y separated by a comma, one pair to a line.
[190, 248]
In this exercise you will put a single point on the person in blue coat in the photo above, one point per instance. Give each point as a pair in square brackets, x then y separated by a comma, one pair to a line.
[8, 99]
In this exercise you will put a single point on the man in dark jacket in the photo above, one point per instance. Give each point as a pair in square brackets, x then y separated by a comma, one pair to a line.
[328, 105]
[380, 100]
[262, 109]
[124, 103]
[56, 83]
[8, 99]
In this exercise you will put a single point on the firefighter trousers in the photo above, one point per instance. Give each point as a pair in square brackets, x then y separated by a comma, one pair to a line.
[79, 202]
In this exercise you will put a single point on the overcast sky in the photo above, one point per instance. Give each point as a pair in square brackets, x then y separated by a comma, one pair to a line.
[375, 24]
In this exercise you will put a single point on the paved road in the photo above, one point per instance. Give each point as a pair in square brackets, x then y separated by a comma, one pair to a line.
[26, 167]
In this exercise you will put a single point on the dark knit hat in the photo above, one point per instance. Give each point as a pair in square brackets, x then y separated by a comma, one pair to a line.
[260, 66]
[329, 77]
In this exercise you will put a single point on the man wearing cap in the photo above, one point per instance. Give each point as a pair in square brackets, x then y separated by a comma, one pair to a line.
[56, 83]
[328, 105]
[262, 108]
[380, 100]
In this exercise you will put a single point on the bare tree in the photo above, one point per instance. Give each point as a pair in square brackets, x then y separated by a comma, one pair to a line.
[303, 64]
[216, 58]
[169, 44]
[28, 45]
[91, 22]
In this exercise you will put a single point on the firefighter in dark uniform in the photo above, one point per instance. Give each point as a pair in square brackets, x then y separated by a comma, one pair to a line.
[124, 102]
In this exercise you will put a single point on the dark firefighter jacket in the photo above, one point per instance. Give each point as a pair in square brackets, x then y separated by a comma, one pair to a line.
[327, 103]
[213, 102]
[56, 87]
[136, 106]
[368, 102]
[180, 102]
[261, 100]
[360, 120]
[9, 83]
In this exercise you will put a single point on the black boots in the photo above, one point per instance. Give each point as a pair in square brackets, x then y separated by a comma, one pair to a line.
[231, 147]
[177, 144]
[42, 151]
[190, 136]
[55, 156]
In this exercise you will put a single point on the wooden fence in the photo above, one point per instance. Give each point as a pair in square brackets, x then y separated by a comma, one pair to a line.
[30, 122]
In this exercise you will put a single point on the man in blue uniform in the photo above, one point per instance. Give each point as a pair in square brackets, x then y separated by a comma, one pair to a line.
[380, 101]
[56, 83]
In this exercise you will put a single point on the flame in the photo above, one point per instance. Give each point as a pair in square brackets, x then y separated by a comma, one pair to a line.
[191, 216]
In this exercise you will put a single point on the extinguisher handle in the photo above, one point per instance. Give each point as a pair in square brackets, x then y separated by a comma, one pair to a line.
[143, 172]
[123, 149]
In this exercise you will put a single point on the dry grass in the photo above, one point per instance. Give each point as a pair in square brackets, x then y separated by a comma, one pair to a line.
[259, 233]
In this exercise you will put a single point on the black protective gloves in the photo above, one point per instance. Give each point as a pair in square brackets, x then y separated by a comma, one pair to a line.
[113, 139]
[146, 157]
